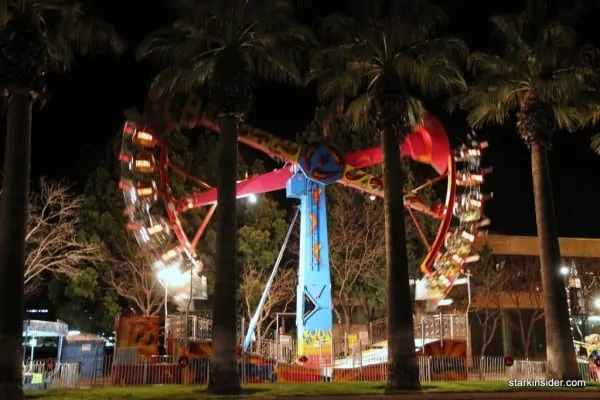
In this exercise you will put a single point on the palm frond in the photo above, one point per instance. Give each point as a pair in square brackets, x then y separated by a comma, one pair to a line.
[402, 49]
[260, 32]
[172, 46]
[595, 143]
[170, 80]
[509, 29]
[359, 109]
[90, 35]
[569, 118]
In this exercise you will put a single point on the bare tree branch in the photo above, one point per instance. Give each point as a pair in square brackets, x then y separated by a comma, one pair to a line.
[526, 297]
[131, 277]
[356, 231]
[280, 298]
[488, 286]
[52, 243]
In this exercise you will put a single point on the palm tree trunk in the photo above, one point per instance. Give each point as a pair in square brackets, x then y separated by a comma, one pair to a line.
[224, 377]
[403, 370]
[13, 225]
[562, 363]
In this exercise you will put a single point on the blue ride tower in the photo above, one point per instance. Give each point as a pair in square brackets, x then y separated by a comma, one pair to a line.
[319, 165]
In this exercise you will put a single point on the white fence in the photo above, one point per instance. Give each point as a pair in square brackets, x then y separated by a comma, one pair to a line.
[107, 371]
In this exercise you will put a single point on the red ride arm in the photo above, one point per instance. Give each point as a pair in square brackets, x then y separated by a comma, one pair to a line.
[268, 182]
[427, 144]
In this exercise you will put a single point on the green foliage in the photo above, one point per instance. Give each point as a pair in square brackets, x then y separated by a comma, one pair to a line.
[263, 227]
[84, 302]
[261, 230]
[539, 71]
[43, 36]
[223, 44]
[388, 66]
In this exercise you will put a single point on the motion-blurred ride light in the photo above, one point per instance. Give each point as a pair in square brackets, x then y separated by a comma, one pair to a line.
[129, 128]
[469, 179]
[145, 139]
[143, 163]
[155, 235]
[139, 190]
[173, 277]
[445, 302]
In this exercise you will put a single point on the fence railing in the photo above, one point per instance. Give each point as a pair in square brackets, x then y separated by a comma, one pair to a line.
[198, 326]
[430, 327]
[111, 371]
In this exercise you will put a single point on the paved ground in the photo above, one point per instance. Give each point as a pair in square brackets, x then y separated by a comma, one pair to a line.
[470, 396]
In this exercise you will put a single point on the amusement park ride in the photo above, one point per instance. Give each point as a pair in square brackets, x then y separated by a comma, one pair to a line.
[154, 212]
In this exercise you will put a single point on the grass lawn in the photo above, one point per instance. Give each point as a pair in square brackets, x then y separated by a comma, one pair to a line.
[191, 392]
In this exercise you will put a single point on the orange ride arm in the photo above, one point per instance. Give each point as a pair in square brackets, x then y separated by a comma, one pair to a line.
[268, 182]
[361, 180]
[277, 148]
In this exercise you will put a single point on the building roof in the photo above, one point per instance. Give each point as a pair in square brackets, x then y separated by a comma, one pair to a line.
[528, 245]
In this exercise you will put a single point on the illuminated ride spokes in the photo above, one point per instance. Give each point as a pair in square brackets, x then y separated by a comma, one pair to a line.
[309, 168]
[146, 186]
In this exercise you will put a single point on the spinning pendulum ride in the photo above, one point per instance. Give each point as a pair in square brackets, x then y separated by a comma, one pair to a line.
[154, 212]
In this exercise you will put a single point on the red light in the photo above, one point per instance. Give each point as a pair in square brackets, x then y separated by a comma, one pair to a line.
[509, 361]
[184, 361]
[50, 365]
[129, 128]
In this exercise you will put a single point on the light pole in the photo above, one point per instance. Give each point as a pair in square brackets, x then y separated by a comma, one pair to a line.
[575, 301]
[166, 314]
[277, 337]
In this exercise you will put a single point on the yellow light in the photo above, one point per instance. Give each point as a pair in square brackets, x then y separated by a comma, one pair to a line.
[467, 236]
[457, 259]
[145, 191]
[470, 179]
[144, 163]
[153, 230]
[169, 255]
[145, 139]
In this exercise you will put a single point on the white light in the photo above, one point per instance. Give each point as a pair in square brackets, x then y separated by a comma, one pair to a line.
[73, 333]
[252, 199]
[472, 258]
[461, 281]
[173, 277]
[597, 303]
[564, 270]
[445, 302]
[372, 197]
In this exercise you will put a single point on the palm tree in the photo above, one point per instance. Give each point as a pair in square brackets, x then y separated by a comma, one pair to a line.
[222, 45]
[539, 75]
[36, 38]
[386, 68]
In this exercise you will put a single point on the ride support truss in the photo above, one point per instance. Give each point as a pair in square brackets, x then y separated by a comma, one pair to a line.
[154, 212]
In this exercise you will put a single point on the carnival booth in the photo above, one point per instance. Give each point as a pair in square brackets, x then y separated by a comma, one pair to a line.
[35, 378]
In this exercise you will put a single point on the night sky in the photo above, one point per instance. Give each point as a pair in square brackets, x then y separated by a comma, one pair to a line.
[71, 133]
